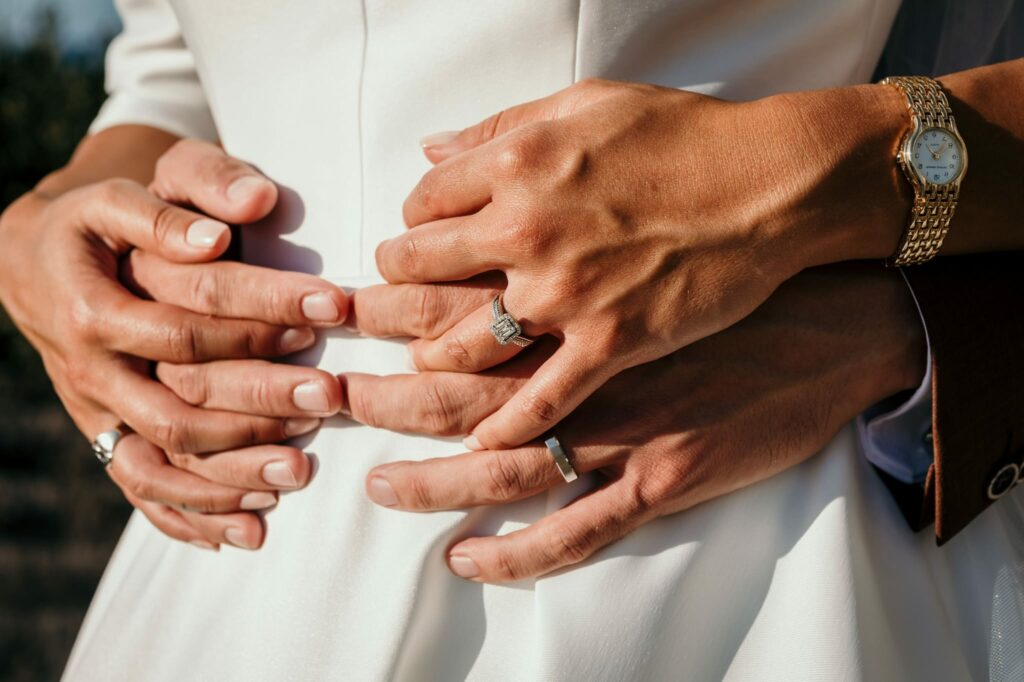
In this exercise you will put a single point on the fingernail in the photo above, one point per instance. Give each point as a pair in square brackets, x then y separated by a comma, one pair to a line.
[320, 307]
[236, 536]
[280, 474]
[381, 492]
[258, 500]
[203, 544]
[297, 339]
[205, 233]
[463, 566]
[243, 188]
[311, 396]
[471, 442]
[299, 426]
[436, 139]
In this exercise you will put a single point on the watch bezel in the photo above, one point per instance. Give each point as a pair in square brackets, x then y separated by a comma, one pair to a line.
[905, 156]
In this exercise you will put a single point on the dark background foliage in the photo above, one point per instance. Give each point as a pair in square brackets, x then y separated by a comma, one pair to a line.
[59, 514]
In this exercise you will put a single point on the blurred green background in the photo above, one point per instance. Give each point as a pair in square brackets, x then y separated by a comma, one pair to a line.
[59, 514]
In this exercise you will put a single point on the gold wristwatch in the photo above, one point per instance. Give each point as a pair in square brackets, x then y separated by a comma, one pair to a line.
[934, 159]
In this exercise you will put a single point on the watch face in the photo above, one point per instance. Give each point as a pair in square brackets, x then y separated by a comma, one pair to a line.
[936, 156]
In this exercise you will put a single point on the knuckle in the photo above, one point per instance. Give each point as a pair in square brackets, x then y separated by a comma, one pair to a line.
[204, 288]
[173, 434]
[113, 190]
[504, 479]
[538, 409]
[427, 198]
[408, 257]
[363, 408]
[190, 383]
[182, 342]
[506, 568]
[569, 545]
[260, 396]
[427, 311]
[439, 415]
[524, 151]
[457, 353]
[419, 493]
[162, 224]
[84, 320]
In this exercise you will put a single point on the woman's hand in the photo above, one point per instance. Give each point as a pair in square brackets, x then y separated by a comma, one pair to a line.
[632, 220]
[201, 457]
[721, 414]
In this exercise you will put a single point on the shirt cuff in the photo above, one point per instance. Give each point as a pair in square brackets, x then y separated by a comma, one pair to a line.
[896, 434]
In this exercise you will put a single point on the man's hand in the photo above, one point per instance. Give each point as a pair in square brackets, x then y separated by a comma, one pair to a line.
[201, 446]
[632, 220]
[719, 415]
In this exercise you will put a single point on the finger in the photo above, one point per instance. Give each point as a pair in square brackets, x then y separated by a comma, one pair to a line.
[236, 290]
[567, 537]
[158, 331]
[558, 386]
[170, 522]
[141, 469]
[442, 251]
[254, 387]
[469, 346]
[419, 310]
[441, 146]
[201, 174]
[263, 467]
[125, 215]
[455, 187]
[152, 410]
[434, 403]
[470, 480]
[242, 530]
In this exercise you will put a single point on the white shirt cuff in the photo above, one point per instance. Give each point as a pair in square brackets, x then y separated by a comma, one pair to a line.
[897, 437]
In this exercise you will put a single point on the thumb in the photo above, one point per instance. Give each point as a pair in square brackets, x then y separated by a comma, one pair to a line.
[200, 174]
[440, 146]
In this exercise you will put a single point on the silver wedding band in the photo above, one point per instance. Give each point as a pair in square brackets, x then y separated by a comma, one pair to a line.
[506, 329]
[561, 458]
[103, 445]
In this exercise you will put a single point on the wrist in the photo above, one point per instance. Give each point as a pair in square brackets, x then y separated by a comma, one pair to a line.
[849, 198]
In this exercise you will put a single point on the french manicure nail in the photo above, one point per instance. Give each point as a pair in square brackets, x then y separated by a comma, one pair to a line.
[296, 339]
[437, 139]
[258, 500]
[205, 233]
[381, 492]
[297, 426]
[243, 188]
[203, 544]
[472, 443]
[320, 307]
[236, 536]
[463, 566]
[280, 474]
[311, 396]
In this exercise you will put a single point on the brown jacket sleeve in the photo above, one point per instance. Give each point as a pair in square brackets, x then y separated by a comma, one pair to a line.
[973, 308]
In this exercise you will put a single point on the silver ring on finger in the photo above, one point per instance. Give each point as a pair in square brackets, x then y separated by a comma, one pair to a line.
[561, 458]
[103, 445]
[506, 329]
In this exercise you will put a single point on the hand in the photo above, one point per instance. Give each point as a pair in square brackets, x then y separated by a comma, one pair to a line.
[630, 221]
[721, 414]
[59, 282]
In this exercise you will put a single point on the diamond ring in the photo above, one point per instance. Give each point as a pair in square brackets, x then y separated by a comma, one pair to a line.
[505, 328]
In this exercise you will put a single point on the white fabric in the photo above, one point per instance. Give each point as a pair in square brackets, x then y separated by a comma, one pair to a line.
[898, 440]
[812, 575]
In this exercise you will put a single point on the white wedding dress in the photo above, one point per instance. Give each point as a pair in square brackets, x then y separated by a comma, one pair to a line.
[811, 575]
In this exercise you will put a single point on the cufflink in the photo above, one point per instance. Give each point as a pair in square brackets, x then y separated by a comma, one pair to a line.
[1004, 479]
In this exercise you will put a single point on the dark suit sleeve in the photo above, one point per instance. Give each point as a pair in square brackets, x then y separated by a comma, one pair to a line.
[973, 308]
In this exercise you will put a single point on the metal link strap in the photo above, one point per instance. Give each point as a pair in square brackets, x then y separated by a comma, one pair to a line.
[933, 208]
